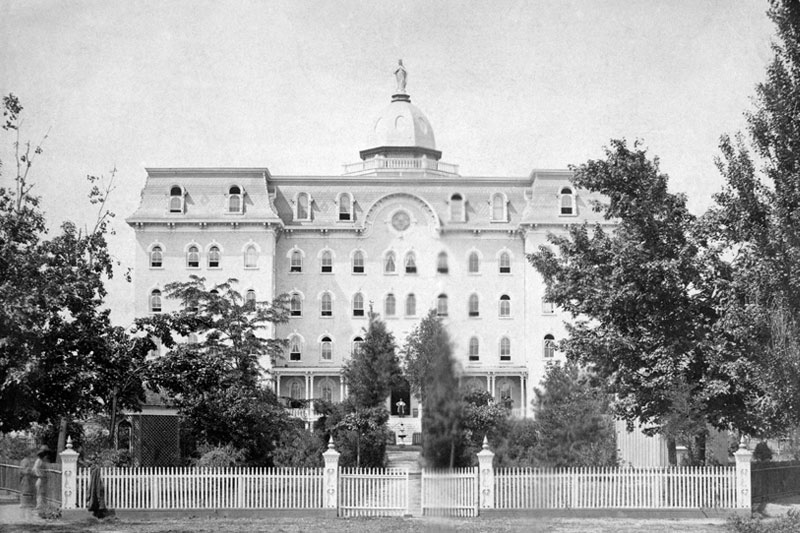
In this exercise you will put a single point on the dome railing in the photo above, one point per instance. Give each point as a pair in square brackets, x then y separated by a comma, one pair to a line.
[400, 163]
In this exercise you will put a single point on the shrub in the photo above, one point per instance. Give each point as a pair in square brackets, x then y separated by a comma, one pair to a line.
[785, 524]
[762, 452]
[219, 456]
[15, 446]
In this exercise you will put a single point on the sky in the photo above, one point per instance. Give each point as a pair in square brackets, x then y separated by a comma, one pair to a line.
[293, 86]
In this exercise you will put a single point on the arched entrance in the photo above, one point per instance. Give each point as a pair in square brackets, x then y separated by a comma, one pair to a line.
[400, 401]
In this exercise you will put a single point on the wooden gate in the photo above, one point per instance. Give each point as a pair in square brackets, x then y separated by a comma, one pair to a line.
[450, 492]
[373, 492]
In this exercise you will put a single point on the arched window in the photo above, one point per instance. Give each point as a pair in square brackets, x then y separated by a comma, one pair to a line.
[250, 300]
[411, 263]
[505, 305]
[505, 349]
[441, 263]
[474, 263]
[499, 208]
[411, 305]
[390, 306]
[213, 257]
[505, 263]
[155, 301]
[457, 208]
[474, 305]
[567, 201]
[326, 349]
[474, 349]
[296, 305]
[358, 304]
[441, 305]
[549, 346]
[235, 199]
[345, 207]
[295, 390]
[250, 257]
[327, 262]
[357, 342]
[548, 308]
[303, 207]
[326, 304]
[389, 263]
[176, 200]
[193, 257]
[296, 264]
[156, 257]
[358, 262]
[327, 392]
[295, 349]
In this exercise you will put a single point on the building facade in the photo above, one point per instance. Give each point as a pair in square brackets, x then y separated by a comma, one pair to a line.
[400, 231]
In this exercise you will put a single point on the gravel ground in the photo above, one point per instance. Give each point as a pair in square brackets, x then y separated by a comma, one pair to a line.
[383, 525]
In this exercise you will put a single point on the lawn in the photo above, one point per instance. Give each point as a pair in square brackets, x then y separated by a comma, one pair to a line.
[365, 525]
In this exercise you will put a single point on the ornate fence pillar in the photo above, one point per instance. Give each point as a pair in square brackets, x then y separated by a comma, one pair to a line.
[330, 479]
[486, 476]
[743, 458]
[69, 476]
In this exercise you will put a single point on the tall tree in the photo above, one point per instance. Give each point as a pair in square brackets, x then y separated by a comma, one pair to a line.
[637, 293]
[755, 232]
[216, 380]
[374, 369]
[56, 350]
[431, 372]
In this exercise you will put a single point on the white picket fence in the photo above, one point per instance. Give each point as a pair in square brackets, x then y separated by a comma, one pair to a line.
[207, 488]
[450, 492]
[373, 492]
[615, 488]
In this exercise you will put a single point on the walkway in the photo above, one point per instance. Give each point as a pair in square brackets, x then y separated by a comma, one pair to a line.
[409, 457]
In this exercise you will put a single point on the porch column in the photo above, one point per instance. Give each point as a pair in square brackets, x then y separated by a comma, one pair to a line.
[341, 388]
[308, 386]
[491, 385]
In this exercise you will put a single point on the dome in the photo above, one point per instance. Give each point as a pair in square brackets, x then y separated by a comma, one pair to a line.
[401, 124]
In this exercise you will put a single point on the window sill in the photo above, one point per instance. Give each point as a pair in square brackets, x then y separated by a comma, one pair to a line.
[157, 268]
[505, 317]
[251, 268]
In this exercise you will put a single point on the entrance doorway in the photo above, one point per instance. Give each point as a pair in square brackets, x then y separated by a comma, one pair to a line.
[401, 399]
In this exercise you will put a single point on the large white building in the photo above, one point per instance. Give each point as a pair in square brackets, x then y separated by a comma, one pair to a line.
[400, 230]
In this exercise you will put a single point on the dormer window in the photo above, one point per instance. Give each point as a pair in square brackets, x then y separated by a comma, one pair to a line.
[345, 207]
[213, 257]
[457, 208]
[303, 206]
[499, 212]
[235, 203]
[567, 201]
[411, 263]
[176, 199]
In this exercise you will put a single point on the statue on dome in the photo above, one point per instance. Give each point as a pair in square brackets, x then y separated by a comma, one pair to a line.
[401, 75]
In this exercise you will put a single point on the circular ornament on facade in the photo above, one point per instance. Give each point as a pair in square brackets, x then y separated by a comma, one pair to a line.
[401, 221]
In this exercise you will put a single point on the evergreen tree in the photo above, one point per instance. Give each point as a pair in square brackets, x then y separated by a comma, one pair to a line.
[374, 369]
[573, 421]
[431, 372]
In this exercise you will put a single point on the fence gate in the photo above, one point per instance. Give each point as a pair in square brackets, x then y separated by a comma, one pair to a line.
[373, 492]
[451, 492]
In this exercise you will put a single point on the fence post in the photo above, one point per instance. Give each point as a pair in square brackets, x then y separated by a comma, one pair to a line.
[330, 480]
[743, 458]
[69, 476]
[486, 476]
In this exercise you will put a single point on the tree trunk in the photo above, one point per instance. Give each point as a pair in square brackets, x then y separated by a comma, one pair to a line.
[452, 452]
[62, 438]
[672, 453]
[358, 450]
[700, 449]
[112, 434]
